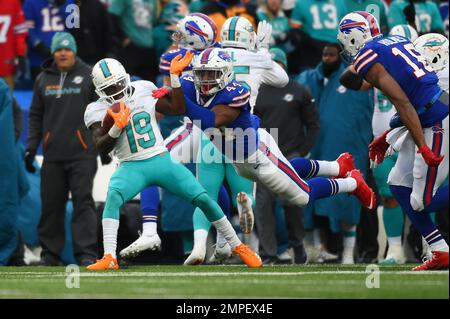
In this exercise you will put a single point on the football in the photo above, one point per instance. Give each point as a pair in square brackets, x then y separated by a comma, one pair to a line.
[108, 121]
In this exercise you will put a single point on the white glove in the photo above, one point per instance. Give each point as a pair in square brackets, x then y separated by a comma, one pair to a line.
[263, 35]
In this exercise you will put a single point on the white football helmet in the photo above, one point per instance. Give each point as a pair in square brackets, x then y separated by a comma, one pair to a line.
[111, 81]
[238, 32]
[434, 47]
[195, 31]
[355, 29]
[213, 70]
[406, 31]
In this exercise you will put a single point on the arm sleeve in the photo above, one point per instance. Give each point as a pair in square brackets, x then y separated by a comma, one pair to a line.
[296, 20]
[240, 100]
[36, 115]
[365, 59]
[302, 78]
[94, 113]
[164, 63]
[275, 76]
[20, 31]
[33, 37]
[238, 95]
[311, 120]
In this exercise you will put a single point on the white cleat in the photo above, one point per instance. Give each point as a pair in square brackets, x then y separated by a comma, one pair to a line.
[197, 256]
[221, 253]
[326, 257]
[347, 256]
[152, 242]
[394, 256]
[246, 218]
[312, 254]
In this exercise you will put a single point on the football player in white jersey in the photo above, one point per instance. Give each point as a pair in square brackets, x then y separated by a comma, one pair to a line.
[137, 142]
[434, 47]
[193, 33]
[249, 51]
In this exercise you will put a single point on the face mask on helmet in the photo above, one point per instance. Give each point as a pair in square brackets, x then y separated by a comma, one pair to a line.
[111, 81]
[116, 91]
[209, 81]
[213, 70]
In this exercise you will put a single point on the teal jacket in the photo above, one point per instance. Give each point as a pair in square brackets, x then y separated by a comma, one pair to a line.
[13, 182]
[346, 126]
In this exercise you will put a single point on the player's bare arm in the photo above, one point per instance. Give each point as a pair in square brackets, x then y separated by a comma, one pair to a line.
[352, 80]
[174, 103]
[224, 115]
[103, 142]
[381, 79]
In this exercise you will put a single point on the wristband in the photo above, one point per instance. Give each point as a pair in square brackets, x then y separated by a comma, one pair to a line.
[115, 131]
[175, 81]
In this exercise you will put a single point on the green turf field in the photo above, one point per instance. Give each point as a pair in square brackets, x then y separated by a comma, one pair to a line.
[312, 281]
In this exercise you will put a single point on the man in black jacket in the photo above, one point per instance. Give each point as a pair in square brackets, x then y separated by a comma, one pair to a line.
[292, 111]
[60, 95]
[95, 34]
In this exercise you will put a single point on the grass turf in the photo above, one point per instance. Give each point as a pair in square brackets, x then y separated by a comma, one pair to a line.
[311, 281]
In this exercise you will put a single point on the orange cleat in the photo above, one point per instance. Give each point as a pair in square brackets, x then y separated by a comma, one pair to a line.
[363, 192]
[438, 262]
[249, 257]
[107, 262]
[346, 164]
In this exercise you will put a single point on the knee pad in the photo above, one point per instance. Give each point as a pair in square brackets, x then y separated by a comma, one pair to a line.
[114, 201]
[416, 203]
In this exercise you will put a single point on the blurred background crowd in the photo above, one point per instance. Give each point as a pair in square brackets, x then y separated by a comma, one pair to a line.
[137, 33]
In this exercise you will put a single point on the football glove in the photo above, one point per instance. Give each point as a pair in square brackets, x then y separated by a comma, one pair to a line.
[29, 159]
[179, 63]
[430, 158]
[377, 150]
[263, 35]
[160, 92]
[120, 118]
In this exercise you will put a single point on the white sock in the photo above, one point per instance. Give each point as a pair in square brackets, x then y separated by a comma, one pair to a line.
[317, 241]
[110, 228]
[200, 236]
[395, 241]
[346, 185]
[440, 245]
[220, 240]
[349, 236]
[309, 238]
[224, 226]
[328, 168]
[149, 228]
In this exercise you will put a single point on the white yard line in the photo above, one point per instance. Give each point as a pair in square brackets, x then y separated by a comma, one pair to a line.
[214, 274]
